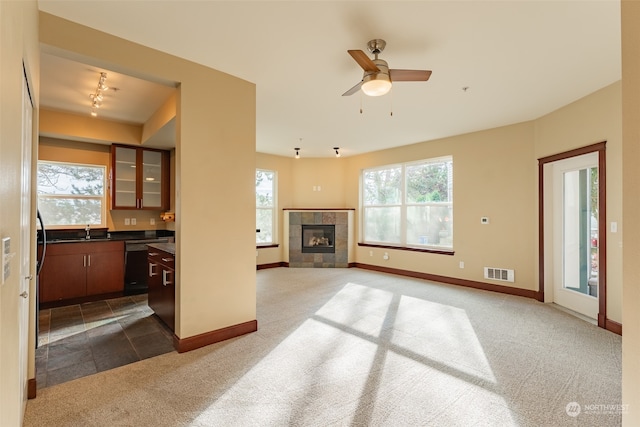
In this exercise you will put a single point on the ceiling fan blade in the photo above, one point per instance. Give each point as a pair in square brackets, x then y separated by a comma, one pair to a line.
[409, 75]
[353, 89]
[363, 60]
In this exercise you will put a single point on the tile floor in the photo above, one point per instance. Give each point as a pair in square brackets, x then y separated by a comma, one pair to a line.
[80, 340]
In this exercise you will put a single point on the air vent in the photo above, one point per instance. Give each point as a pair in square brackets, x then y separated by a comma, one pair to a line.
[502, 274]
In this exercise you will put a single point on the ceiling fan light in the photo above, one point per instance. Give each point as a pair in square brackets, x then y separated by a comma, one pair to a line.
[376, 84]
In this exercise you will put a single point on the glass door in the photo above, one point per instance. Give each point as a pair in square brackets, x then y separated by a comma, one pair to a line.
[152, 179]
[577, 234]
[124, 191]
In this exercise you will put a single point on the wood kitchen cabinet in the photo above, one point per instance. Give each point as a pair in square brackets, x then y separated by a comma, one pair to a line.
[76, 270]
[139, 178]
[162, 287]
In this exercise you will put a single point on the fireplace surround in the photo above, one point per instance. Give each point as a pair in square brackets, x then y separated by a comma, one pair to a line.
[331, 234]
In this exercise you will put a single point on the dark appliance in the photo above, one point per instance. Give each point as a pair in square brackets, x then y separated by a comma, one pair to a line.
[135, 265]
[41, 245]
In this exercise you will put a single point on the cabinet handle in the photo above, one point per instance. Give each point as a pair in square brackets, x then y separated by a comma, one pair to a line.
[89, 259]
[165, 281]
[151, 267]
[153, 253]
[167, 259]
[84, 260]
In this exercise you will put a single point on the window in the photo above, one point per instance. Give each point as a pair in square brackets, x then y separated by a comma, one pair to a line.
[265, 206]
[71, 194]
[409, 204]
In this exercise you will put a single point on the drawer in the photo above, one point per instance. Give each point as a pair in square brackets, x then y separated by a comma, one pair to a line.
[156, 256]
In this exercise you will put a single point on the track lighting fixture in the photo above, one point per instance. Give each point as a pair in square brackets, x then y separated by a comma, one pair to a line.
[98, 96]
[337, 152]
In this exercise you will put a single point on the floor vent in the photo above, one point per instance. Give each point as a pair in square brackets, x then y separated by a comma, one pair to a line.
[499, 274]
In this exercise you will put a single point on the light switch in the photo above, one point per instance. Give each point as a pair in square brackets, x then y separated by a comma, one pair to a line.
[6, 258]
[152, 221]
[133, 221]
[127, 221]
[614, 227]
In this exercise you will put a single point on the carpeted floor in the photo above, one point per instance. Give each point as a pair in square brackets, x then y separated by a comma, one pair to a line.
[338, 347]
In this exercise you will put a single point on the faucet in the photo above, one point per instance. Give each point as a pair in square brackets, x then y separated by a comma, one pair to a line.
[88, 230]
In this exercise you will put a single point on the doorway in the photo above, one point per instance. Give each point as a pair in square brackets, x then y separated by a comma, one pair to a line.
[572, 231]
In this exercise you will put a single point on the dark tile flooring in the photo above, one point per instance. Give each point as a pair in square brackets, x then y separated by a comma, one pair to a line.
[80, 340]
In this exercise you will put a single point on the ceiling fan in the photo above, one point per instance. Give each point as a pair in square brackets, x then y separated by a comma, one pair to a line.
[377, 77]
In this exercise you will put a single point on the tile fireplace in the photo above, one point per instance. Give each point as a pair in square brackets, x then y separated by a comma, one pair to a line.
[318, 238]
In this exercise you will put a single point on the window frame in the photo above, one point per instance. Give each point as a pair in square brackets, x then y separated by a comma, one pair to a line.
[104, 198]
[404, 204]
[272, 208]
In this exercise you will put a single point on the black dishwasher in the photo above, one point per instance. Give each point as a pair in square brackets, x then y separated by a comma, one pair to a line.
[135, 265]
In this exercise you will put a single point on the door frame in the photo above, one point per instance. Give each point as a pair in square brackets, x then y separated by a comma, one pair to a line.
[600, 148]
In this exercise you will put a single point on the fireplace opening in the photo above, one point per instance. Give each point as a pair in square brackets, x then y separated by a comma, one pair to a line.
[318, 238]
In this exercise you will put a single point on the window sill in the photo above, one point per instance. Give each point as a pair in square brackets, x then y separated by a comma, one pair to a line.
[273, 245]
[411, 249]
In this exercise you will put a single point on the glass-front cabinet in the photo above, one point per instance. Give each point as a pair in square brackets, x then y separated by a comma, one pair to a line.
[139, 178]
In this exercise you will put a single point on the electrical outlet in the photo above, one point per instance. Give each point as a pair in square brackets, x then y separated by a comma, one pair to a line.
[370, 253]
[385, 256]
[133, 221]
[152, 221]
[461, 264]
[127, 221]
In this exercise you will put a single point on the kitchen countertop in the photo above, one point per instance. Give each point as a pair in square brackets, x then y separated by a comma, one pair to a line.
[166, 247]
[103, 235]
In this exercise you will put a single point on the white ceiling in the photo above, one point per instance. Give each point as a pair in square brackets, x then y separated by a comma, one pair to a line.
[519, 59]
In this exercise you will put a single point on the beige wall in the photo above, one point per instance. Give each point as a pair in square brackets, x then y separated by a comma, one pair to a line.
[18, 43]
[494, 174]
[328, 178]
[215, 265]
[60, 150]
[631, 211]
[86, 128]
[594, 118]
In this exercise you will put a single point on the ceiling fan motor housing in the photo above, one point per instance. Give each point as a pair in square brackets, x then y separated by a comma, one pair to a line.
[377, 83]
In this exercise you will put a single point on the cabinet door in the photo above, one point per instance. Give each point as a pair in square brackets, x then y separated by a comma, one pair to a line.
[139, 178]
[63, 277]
[154, 283]
[152, 179]
[105, 272]
[124, 192]
[168, 306]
